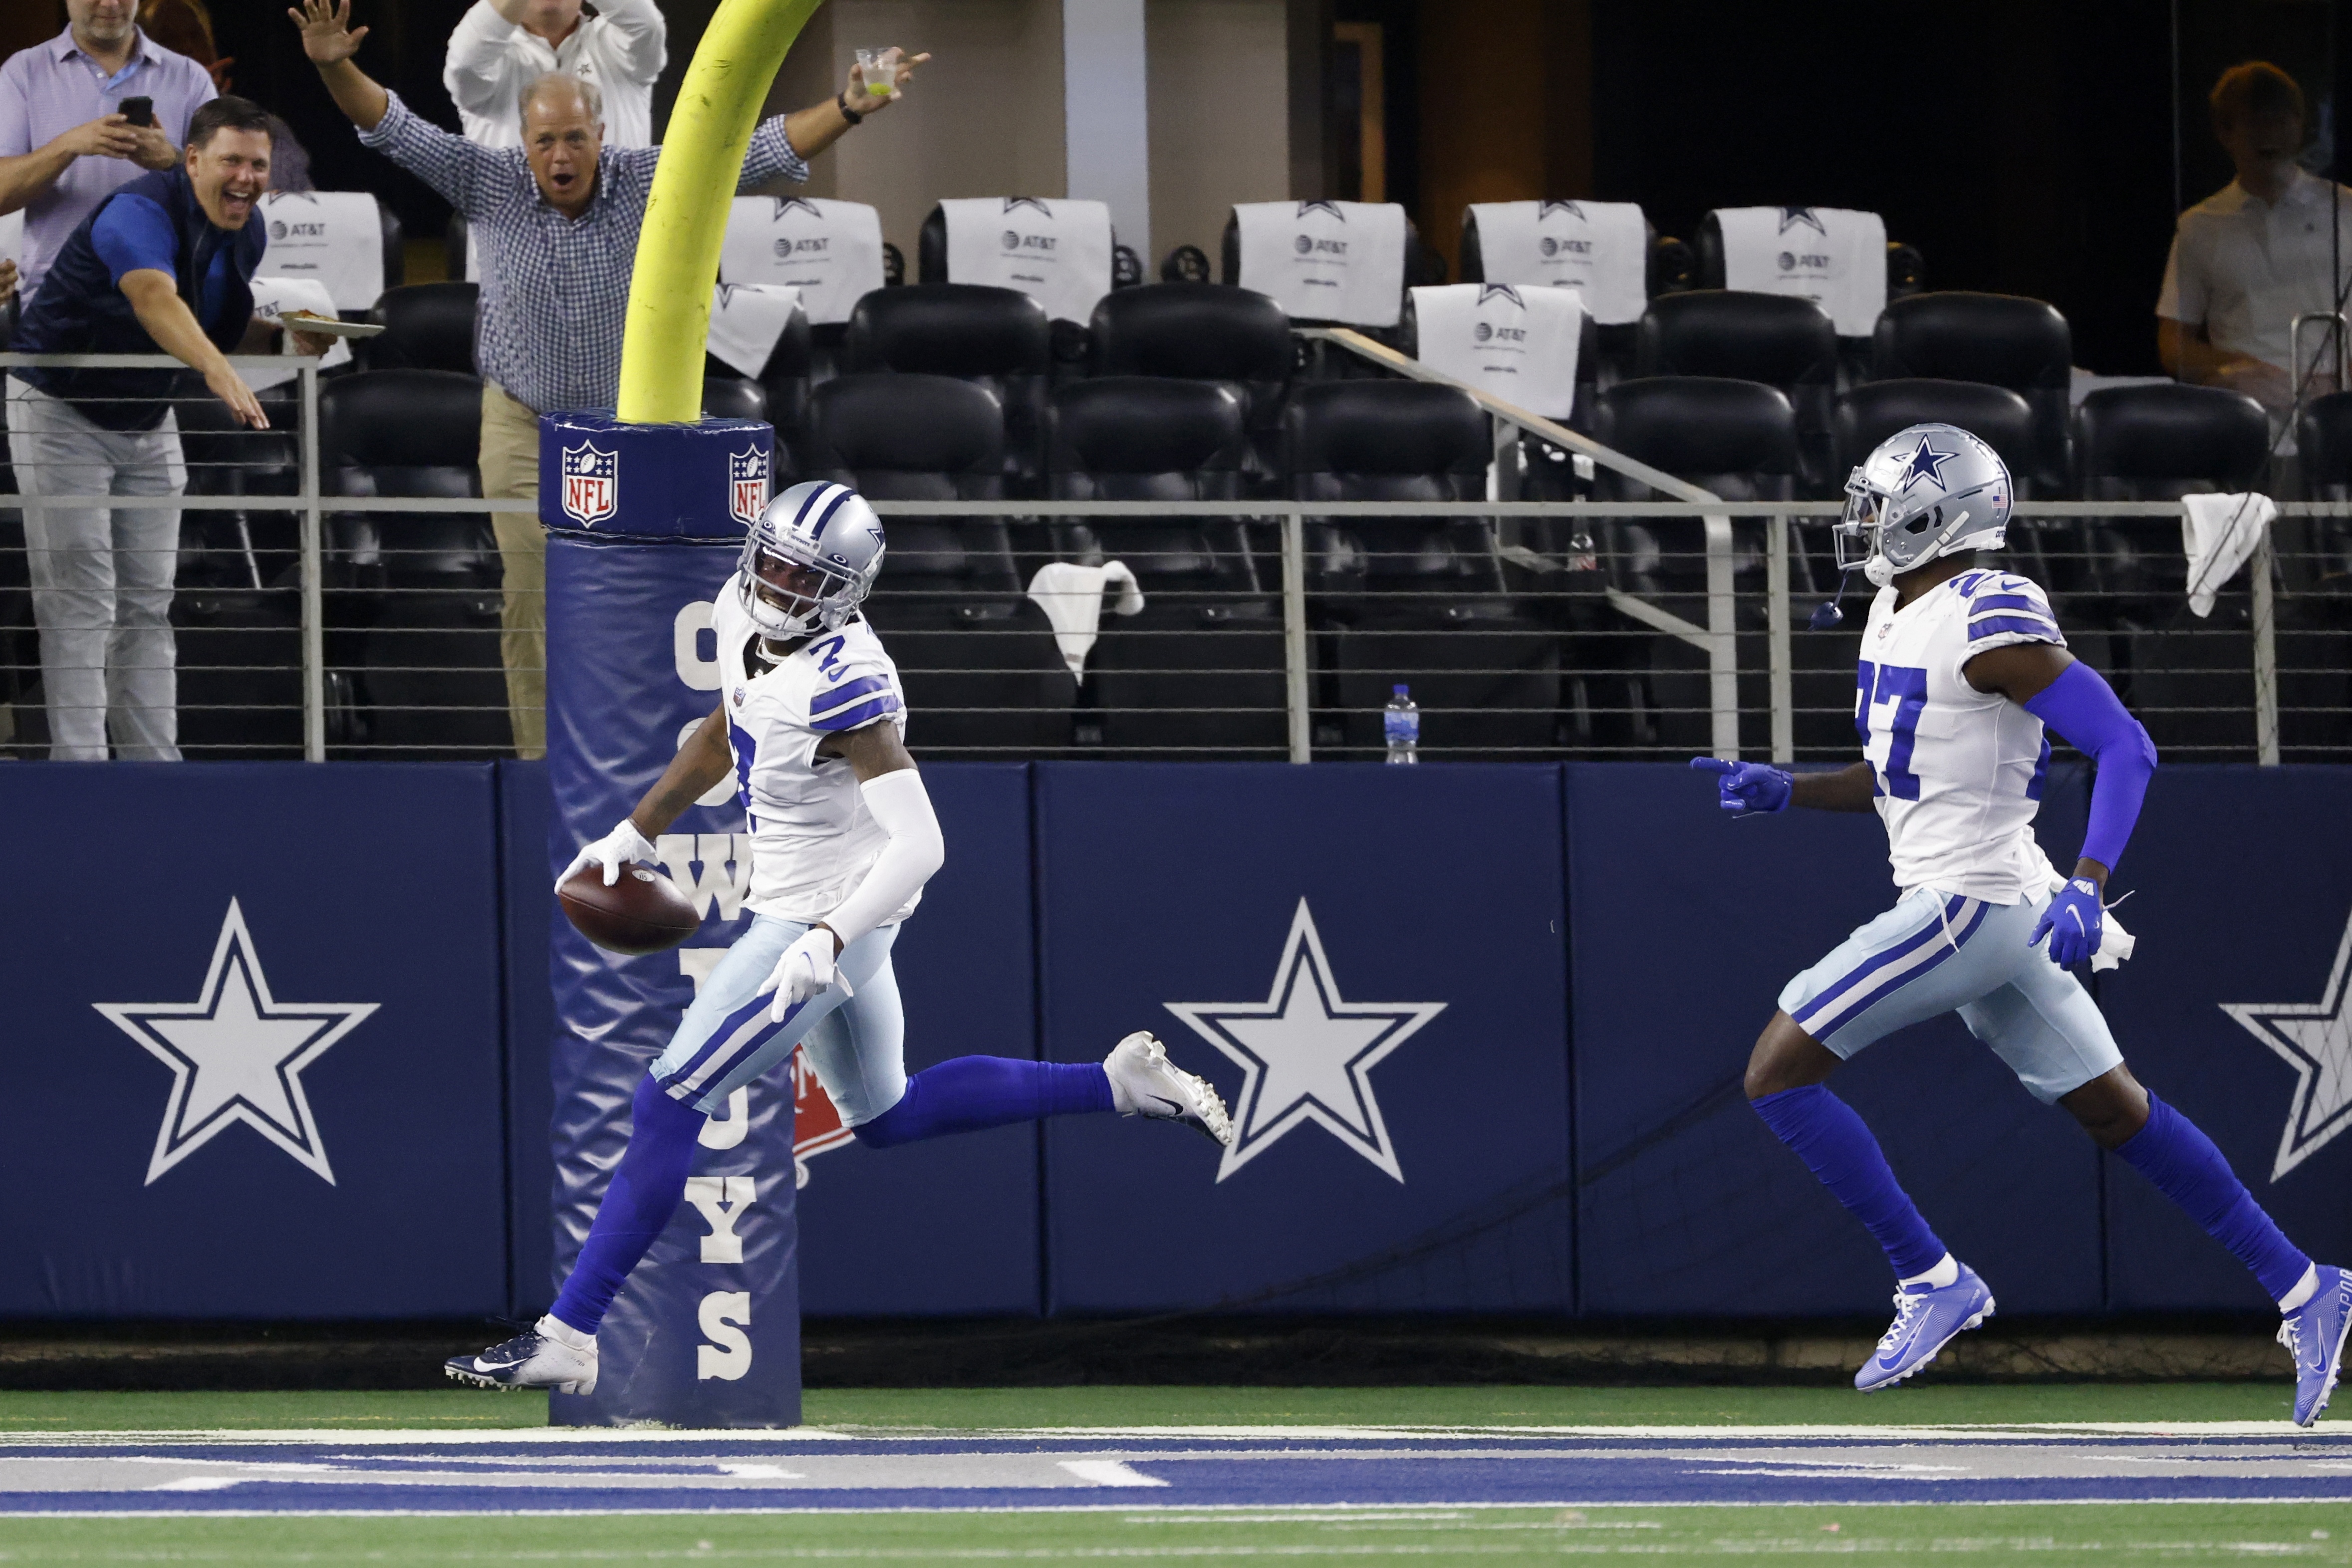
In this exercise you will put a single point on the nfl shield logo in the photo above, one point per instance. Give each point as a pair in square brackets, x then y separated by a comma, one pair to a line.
[747, 485]
[592, 483]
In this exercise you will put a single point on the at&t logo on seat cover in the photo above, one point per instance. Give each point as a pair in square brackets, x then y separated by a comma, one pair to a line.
[747, 485]
[592, 483]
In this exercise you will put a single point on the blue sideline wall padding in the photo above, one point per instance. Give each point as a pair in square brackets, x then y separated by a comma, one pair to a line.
[950, 1226]
[1405, 1146]
[2245, 893]
[1688, 924]
[353, 1012]
[524, 806]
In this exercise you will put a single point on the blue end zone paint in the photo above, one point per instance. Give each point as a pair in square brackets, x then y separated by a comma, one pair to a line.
[101, 1475]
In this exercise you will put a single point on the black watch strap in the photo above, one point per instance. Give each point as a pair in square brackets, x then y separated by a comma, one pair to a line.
[848, 113]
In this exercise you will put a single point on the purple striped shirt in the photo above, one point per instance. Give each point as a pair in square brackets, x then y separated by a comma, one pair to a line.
[51, 88]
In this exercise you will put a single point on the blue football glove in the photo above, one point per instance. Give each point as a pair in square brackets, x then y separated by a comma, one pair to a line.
[2074, 923]
[1745, 788]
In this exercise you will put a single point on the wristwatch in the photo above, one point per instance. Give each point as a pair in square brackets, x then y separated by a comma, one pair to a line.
[848, 113]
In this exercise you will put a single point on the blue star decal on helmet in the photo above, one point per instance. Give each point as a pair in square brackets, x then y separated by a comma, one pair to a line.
[1927, 463]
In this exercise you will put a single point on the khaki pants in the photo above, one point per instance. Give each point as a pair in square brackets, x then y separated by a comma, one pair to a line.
[510, 464]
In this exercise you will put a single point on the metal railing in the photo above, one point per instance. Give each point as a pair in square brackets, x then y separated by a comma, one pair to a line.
[1270, 628]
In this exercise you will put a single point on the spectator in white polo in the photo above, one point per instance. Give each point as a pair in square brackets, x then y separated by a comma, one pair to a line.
[64, 144]
[2256, 254]
[501, 47]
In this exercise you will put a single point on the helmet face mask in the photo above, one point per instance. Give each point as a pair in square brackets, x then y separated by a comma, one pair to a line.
[1926, 492]
[809, 561]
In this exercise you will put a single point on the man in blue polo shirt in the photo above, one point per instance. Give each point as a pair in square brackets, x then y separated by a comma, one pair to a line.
[164, 265]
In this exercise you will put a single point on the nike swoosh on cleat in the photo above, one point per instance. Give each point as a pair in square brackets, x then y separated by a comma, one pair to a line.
[1174, 1108]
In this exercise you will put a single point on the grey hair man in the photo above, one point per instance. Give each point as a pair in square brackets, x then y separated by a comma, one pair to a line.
[557, 220]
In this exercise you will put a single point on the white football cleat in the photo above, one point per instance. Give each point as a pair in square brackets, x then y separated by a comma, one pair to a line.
[548, 1354]
[1144, 1082]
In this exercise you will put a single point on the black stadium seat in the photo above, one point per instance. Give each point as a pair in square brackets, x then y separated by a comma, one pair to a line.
[1736, 440]
[2191, 679]
[729, 397]
[1203, 332]
[2002, 340]
[427, 326]
[237, 616]
[982, 669]
[1416, 600]
[996, 338]
[1209, 634]
[418, 595]
[1777, 339]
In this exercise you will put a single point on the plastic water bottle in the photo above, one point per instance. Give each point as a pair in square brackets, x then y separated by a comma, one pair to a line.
[1402, 720]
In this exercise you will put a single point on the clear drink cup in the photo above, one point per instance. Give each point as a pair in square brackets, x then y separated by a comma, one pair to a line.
[881, 70]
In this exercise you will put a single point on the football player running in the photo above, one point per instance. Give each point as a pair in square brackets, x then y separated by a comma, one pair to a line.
[810, 721]
[1962, 670]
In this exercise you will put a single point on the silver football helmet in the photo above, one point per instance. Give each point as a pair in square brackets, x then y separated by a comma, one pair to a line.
[1929, 490]
[810, 560]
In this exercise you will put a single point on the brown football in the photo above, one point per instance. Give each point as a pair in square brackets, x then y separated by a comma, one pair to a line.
[643, 912]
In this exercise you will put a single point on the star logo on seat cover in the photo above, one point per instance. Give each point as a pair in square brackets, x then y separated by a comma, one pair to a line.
[1548, 208]
[2315, 1039]
[1488, 290]
[236, 1055]
[793, 204]
[1305, 1055]
[1331, 207]
[1802, 217]
[1927, 463]
[1013, 203]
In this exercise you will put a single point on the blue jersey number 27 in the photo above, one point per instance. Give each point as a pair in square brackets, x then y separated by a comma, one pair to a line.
[1905, 686]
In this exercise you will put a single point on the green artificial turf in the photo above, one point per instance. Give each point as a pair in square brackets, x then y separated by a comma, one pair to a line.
[2179, 1534]
[1150, 1407]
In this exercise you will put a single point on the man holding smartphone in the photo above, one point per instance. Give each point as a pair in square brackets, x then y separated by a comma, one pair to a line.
[66, 140]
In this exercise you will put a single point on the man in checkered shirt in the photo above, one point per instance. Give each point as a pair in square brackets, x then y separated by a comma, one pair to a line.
[559, 217]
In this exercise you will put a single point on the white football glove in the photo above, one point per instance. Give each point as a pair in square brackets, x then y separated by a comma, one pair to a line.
[612, 851]
[805, 969]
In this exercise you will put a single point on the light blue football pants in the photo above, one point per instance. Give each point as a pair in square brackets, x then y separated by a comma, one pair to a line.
[1939, 952]
[857, 1044]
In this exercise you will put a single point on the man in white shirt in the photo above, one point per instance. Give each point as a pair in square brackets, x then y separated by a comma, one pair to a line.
[501, 47]
[2257, 253]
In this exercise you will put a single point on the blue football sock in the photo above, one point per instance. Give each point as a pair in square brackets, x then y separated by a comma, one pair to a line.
[1831, 1140]
[645, 1192]
[971, 1092]
[2183, 1165]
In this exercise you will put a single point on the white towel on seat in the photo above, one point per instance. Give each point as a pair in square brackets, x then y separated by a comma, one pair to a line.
[1517, 344]
[2217, 533]
[1072, 597]
[272, 297]
[333, 237]
[1326, 261]
[831, 252]
[1832, 255]
[746, 319]
[1057, 252]
[1600, 249]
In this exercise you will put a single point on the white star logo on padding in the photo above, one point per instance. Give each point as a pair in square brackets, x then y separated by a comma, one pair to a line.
[2316, 1038]
[1306, 1056]
[236, 1055]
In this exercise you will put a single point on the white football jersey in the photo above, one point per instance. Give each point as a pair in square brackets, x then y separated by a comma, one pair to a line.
[813, 840]
[1957, 772]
